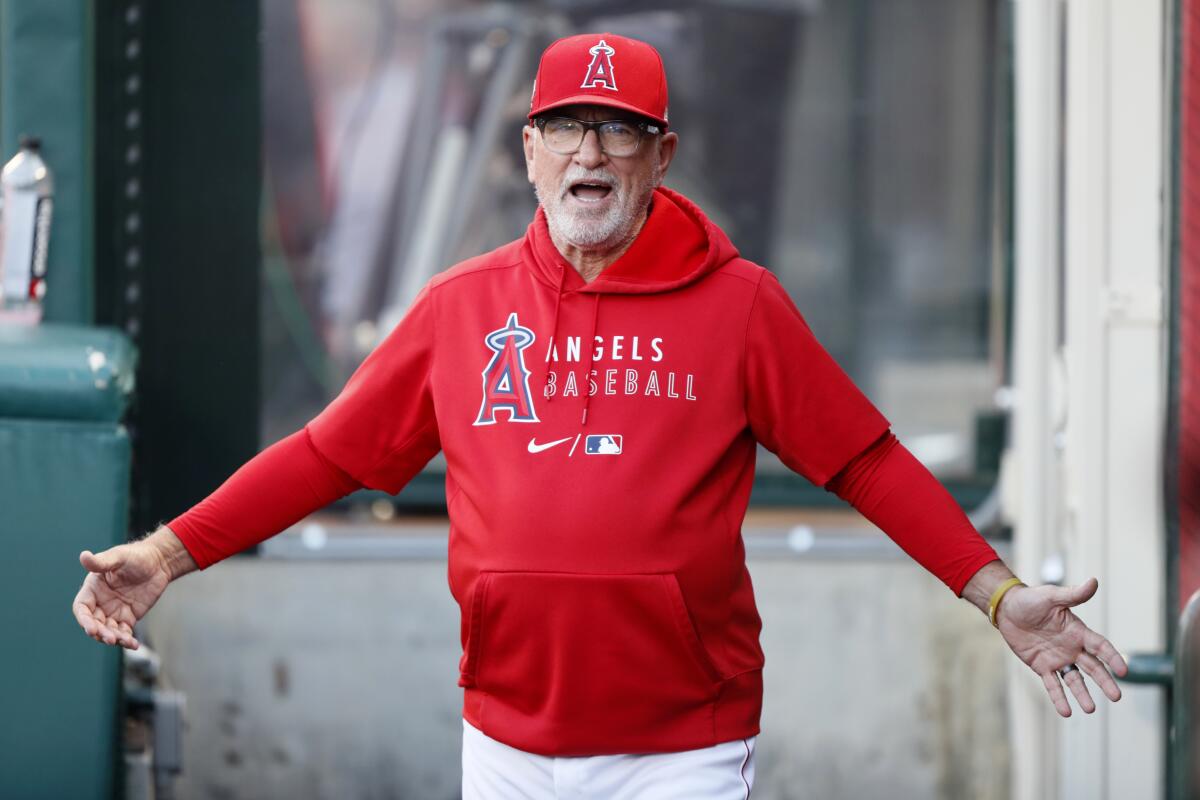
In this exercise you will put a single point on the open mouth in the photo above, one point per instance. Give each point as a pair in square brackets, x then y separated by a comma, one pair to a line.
[590, 192]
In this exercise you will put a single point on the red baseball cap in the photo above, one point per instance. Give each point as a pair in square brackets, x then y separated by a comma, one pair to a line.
[601, 69]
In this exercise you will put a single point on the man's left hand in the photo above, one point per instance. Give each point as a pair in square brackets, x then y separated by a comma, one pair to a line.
[1039, 626]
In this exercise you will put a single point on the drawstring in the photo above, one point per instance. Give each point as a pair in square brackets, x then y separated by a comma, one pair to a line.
[562, 282]
[587, 374]
[590, 343]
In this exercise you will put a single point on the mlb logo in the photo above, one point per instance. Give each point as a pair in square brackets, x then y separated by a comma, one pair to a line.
[603, 444]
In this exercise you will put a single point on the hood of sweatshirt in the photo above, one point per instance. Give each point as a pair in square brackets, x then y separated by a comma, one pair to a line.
[677, 246]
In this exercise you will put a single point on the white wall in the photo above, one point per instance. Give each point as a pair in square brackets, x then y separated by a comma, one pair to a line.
[1084, 479]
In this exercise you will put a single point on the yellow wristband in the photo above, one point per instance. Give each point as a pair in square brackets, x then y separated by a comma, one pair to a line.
[996, 595]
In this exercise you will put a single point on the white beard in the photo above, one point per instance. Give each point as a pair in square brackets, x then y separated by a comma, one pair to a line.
[611, 225]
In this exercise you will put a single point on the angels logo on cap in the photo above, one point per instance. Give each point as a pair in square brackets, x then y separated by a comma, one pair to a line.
[600, 70]
[594, 57]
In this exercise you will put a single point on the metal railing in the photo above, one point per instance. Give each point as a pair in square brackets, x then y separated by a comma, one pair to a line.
[1180, 675]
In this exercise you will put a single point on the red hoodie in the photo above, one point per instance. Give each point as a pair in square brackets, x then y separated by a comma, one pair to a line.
[600, 445]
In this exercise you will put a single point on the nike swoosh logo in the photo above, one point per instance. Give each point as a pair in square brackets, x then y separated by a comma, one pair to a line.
[534, 447]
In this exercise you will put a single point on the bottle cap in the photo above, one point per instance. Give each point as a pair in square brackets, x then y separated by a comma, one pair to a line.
[26, 142]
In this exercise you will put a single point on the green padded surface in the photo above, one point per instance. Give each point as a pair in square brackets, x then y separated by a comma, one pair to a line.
[68, 372]
[63, 488]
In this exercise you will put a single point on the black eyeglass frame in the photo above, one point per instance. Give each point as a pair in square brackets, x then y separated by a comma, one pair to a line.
[644, 127]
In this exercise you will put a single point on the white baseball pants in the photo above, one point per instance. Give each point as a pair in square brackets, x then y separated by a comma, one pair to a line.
[494, 771]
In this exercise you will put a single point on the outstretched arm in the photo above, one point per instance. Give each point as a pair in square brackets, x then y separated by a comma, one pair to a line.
[896, 492]
[802, 406]
[378, 432]
[279, 486]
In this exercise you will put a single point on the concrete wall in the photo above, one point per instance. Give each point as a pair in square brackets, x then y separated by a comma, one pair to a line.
[336, 679]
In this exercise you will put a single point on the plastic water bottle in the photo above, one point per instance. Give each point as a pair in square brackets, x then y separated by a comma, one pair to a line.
[26, 198]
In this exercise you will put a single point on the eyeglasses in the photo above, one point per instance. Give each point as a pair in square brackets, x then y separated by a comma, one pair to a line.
[618, 137]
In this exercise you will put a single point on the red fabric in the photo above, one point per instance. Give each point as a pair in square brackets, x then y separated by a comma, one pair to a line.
[686, 354]
[597, 557]
[800, 404]
[277, 488]
[381, 429]
[1187, 454]
[894, 490]
[601, 69]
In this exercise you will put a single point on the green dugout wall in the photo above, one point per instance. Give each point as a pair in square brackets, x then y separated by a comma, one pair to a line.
[149, 116]
[139, 393]
[149, 119]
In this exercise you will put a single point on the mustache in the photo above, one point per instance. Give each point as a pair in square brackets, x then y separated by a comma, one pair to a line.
[576, 174]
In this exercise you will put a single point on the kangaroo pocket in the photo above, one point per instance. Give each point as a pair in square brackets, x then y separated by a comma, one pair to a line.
[563, 653]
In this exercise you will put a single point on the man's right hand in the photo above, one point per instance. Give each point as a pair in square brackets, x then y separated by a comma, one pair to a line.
[122, 584]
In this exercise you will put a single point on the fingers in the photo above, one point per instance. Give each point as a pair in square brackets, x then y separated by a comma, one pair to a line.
[116, 634]
[83, 615]
[1095, 668]
[91, 617]
[86, 618]
[1088, 663]
[115, 631]
[1075, 595]
[1054, 689]
[107, 634]
[1102, 649]
[1074, 679]
[84, 609]
[101, 562]
[98, 630]
[128, 639]
[104, 629]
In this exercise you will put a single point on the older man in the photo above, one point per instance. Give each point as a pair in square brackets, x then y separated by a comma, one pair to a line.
[599, 387]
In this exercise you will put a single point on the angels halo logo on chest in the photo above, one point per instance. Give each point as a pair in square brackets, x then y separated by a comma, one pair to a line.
[506, 378]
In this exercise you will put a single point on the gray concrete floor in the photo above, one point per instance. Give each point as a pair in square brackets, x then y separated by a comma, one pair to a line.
[335, 678]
